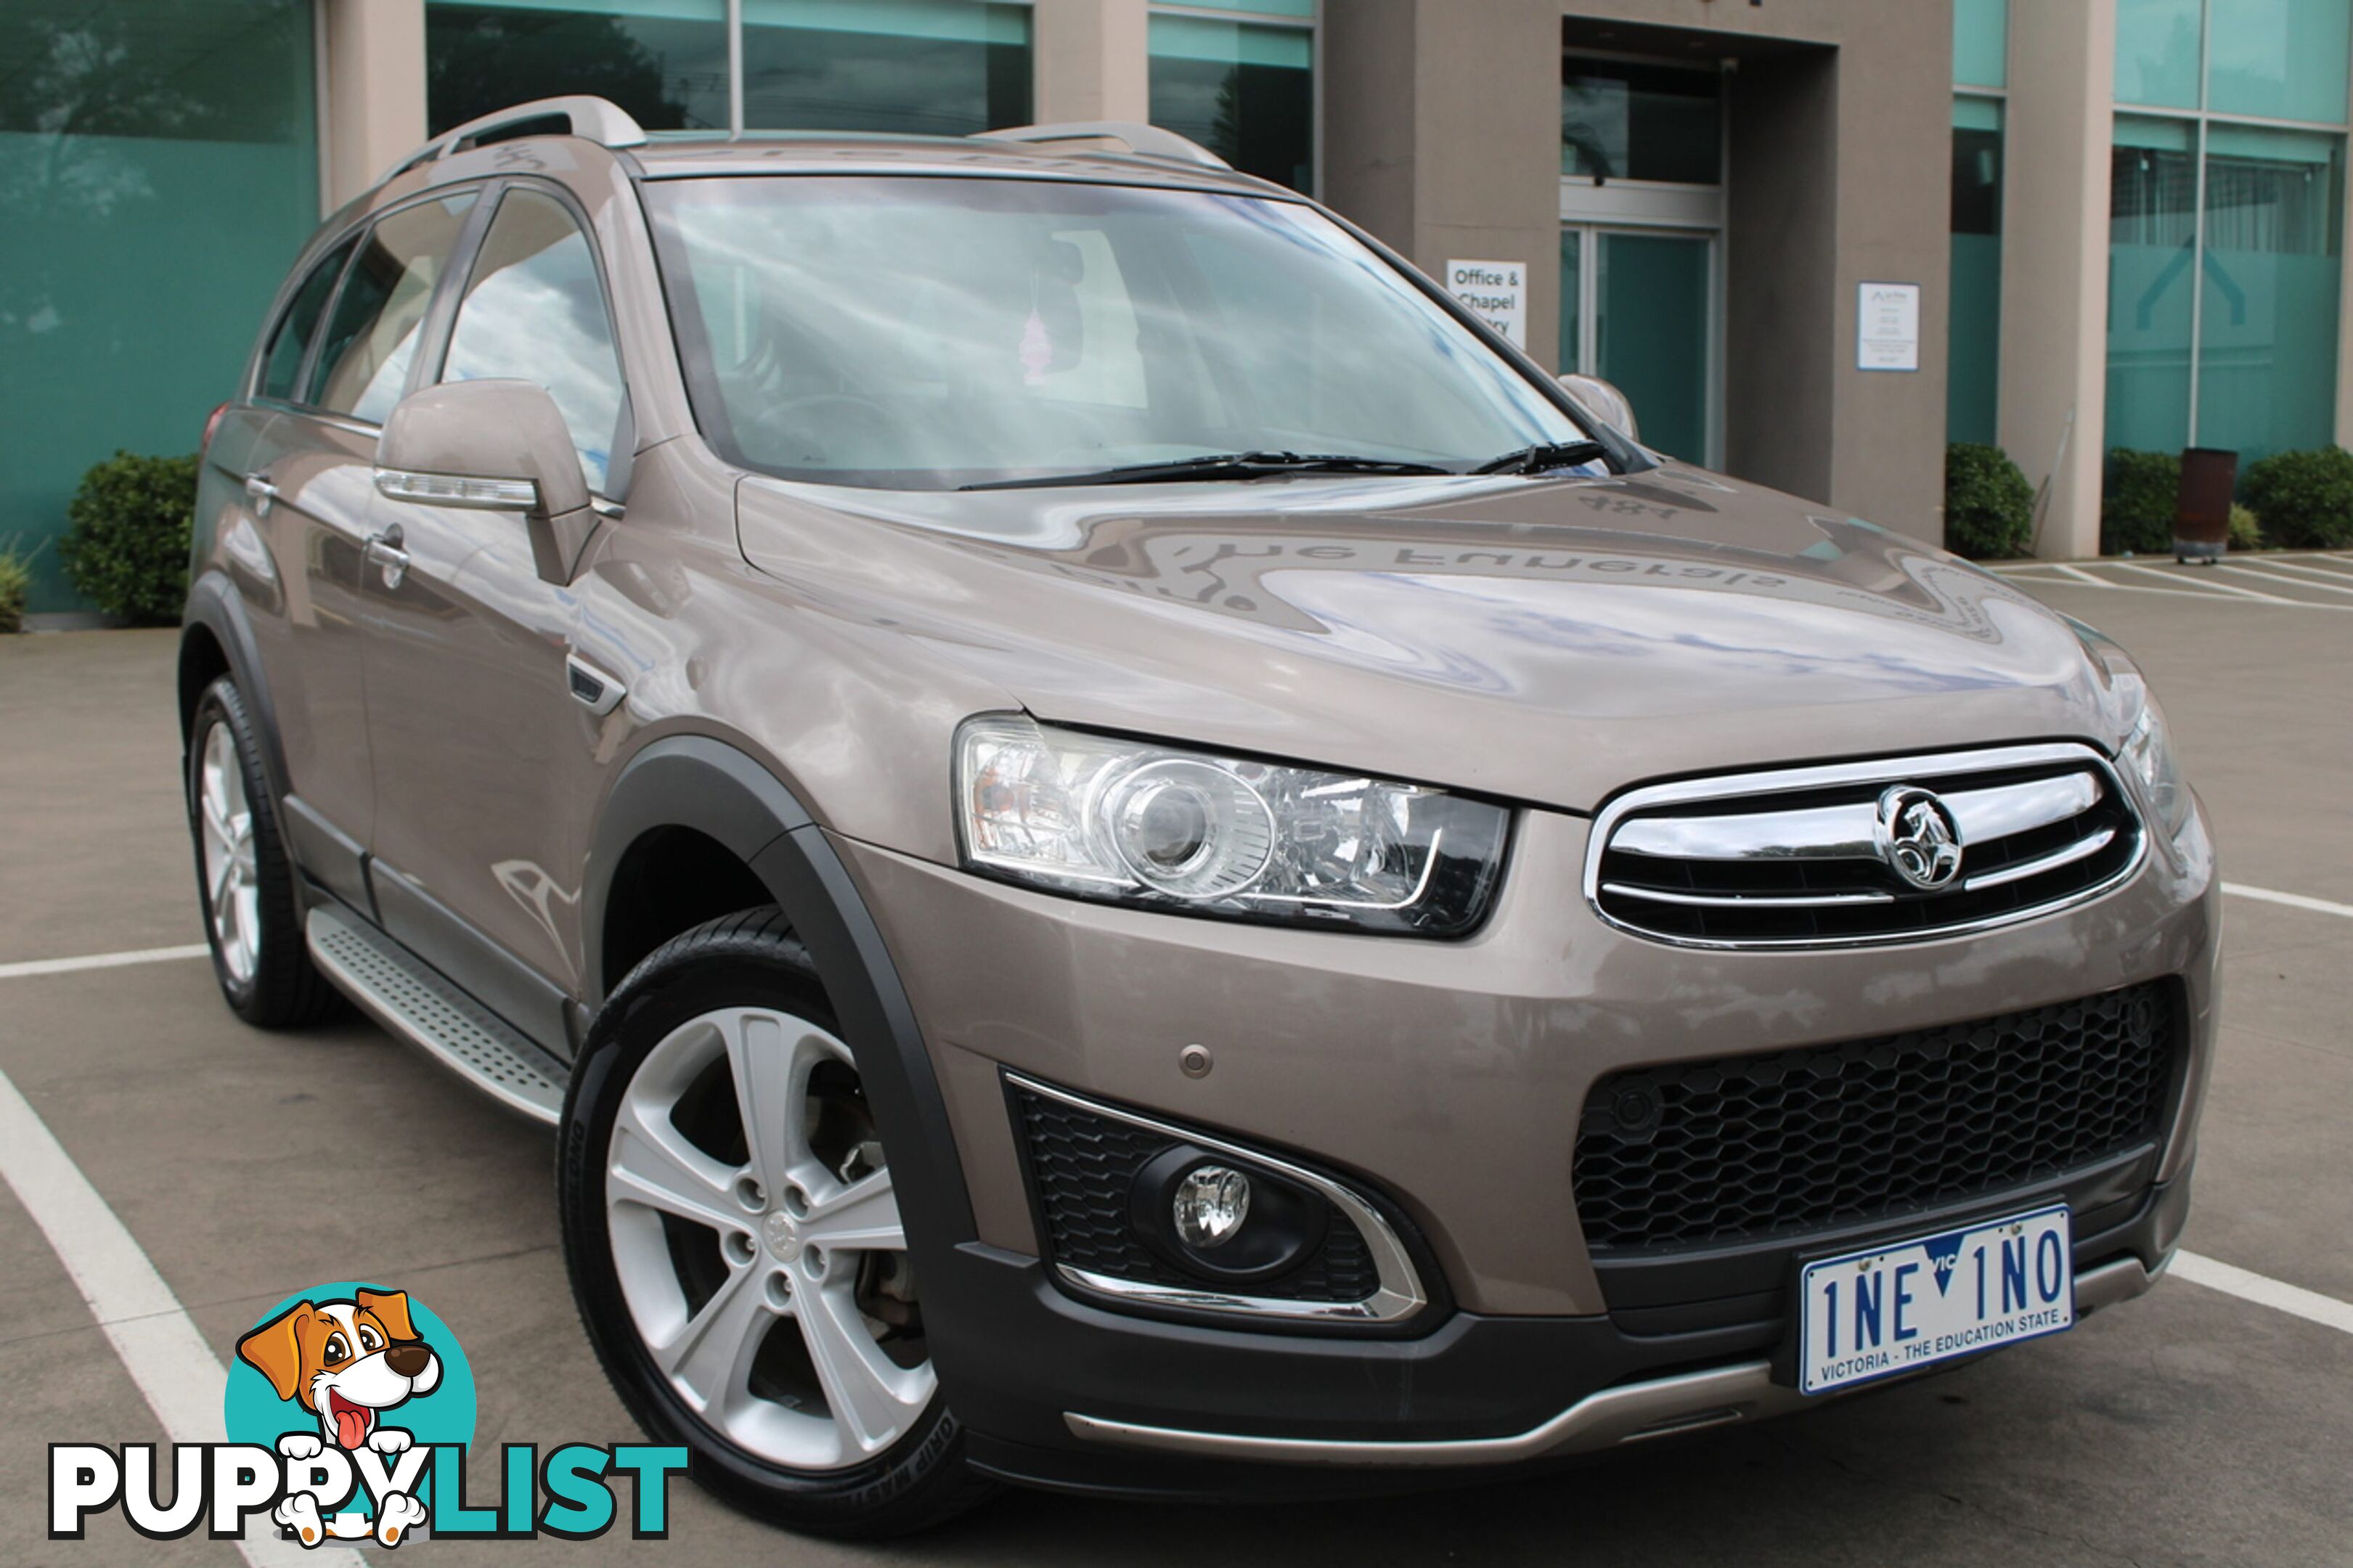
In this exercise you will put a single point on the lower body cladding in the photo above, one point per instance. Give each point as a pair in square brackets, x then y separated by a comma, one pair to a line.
[1512, 1224]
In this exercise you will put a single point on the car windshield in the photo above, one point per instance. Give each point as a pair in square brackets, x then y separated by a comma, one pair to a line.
[935, 333]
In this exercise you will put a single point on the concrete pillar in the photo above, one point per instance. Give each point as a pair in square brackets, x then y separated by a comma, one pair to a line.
[373, 81]
[1442, 135]
[1895, 141]
[2054, 263]
[1093, 60]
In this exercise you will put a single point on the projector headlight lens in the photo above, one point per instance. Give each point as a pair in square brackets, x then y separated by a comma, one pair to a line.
[1131, 822]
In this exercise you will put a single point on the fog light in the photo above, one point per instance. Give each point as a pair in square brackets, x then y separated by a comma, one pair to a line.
[1210, 1204]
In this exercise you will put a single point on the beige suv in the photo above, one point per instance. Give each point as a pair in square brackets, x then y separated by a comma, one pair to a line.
[1129, 855]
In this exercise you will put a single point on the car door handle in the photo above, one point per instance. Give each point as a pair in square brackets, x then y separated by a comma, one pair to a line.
[385, 550]
[258, 486]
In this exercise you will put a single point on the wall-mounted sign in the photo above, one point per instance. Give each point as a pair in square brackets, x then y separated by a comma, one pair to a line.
[1887, 326]
[1495, 291]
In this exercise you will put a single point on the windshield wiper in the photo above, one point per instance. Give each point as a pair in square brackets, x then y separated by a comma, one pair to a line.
[1220, 466]
[1543, 455]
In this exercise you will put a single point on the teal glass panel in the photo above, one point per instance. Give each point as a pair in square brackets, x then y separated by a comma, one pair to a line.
[665, 61]
[1245, 92]
[2267, 323]
[1571, 302]
[1304, 10]
[1649, 334]
[939, 67]
[1624, 121]
[2152, 226]
[2282, 59]
[1973, 321]
[151, 203]
[1981, 43]
[2156, 52]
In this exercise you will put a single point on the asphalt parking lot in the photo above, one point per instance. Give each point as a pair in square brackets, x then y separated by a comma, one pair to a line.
[2195, 1426]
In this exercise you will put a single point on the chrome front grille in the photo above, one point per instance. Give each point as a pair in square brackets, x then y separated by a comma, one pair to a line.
[1805, 857]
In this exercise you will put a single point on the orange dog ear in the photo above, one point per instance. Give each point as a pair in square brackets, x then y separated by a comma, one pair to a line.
[391, 1307]
[275, 1348]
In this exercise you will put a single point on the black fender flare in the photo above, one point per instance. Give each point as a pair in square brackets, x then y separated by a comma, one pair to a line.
[700, 783]
[213, 605]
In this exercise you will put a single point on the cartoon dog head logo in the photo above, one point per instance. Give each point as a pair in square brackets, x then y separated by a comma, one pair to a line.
[355, 1384]
[345, 1361]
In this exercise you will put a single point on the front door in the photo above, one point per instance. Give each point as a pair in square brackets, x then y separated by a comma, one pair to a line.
[1642, 191]
[1638, 309]
[485, 753]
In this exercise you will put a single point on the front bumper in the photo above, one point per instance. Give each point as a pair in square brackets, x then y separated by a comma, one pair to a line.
[1447, 1076]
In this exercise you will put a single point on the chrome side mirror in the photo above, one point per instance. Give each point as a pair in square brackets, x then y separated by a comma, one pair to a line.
[1604, 402]
[497, 446]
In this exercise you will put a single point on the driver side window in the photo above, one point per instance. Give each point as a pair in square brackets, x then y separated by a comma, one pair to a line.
[534, 310]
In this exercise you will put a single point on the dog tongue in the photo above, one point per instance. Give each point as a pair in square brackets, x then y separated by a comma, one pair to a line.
[351, 1426]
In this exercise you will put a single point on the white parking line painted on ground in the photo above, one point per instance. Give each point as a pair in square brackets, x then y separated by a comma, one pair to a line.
[174, 1368]
[2284, 572]
[2178, 577]
[2264, 1291]
[100, 960]
[2293, 900]
[2344, 583]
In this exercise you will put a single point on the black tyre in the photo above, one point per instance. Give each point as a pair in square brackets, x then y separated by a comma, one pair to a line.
[245, 877]
[734, 1245]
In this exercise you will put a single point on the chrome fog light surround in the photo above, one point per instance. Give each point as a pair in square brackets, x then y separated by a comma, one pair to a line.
[1399, 1294]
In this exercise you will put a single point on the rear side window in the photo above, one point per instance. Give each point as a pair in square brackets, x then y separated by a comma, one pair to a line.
[372, 335]
[284, 361]
[535, 311]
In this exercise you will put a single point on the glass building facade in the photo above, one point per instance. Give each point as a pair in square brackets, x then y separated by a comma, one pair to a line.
[935, 67]
[1973, 320]
[1240, 80]
[150, 201]
[2226, 224]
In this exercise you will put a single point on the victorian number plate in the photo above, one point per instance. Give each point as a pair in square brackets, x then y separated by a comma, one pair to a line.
[1896, 1309]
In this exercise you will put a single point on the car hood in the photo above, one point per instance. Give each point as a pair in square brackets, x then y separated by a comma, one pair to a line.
[1550, 639]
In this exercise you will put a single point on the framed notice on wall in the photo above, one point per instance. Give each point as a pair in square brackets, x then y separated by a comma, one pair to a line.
[1495, 291]
[1887, 326]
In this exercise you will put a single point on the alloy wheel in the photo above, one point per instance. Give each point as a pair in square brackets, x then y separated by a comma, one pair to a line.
[232, 885]
[758, 1244]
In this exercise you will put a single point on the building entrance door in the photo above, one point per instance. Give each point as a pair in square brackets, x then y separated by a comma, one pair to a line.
[1638, 309]
[1642, 241]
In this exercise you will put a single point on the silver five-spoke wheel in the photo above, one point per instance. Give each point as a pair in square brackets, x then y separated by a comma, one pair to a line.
[757, 1240]
[225, 825]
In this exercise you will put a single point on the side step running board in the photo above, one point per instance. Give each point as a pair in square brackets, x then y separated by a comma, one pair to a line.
[400, 992]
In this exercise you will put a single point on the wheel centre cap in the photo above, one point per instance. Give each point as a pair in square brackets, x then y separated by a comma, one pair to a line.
[781, 1235]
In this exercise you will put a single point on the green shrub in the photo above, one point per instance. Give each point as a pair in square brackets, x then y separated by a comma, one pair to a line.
[1988, 505]
[127, 549]
[15, 584]
[2245, 532]
[2144, 489]
[2305, 498]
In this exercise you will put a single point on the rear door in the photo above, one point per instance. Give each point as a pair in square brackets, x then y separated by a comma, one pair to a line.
[305, 571]
[312, 476]
[484, 751]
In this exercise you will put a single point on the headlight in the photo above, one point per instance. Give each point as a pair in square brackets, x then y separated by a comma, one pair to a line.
[2148, 755]
[1133, 823]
